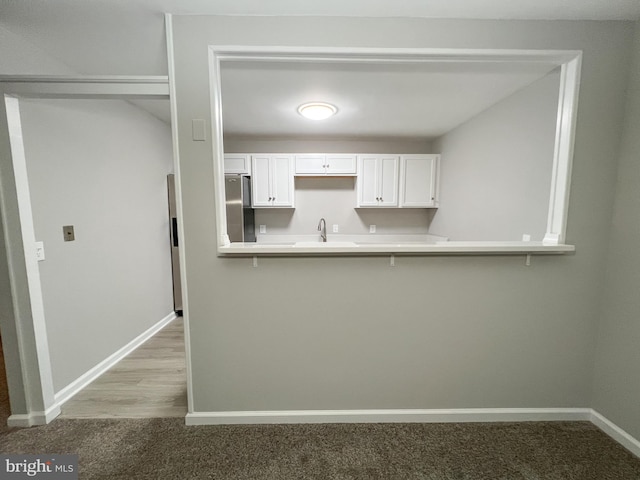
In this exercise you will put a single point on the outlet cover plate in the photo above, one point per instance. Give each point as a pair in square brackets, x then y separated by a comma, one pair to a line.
[68, 233]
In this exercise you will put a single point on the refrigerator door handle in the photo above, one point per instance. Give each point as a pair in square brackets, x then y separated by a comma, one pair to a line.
[174, 231]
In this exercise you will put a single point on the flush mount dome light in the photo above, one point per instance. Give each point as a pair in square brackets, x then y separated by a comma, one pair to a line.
[317, 110]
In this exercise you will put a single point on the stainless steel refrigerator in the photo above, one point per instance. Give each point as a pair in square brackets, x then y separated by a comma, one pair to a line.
[240, 216]
[173, 235]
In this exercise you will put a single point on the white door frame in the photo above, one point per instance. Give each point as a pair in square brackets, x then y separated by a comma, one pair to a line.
[29, 365]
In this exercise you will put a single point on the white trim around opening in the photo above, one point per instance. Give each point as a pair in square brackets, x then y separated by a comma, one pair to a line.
[568, 60]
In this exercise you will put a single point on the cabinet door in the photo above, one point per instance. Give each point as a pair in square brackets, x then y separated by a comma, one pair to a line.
[237, 163]
[341, 165]
[388, 166]
[310, 164]
[282, 180]
[418, 180]
[260, 181]
[367, 182]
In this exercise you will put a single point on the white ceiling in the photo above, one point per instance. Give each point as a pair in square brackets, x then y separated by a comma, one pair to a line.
[383, 100]
[126, 37]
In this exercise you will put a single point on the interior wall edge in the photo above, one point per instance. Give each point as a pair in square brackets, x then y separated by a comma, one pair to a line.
[615, 363]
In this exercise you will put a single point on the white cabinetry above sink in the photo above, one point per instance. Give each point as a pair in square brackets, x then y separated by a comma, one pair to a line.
[382, 180]
[321, 164]
[398, 181]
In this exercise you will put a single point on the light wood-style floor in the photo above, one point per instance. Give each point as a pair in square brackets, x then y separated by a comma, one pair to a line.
[150, 382]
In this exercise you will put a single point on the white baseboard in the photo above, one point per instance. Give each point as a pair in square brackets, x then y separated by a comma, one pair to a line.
[419, 416]
[614, 431]
[34, 418]
[81, 382]
[390, 416]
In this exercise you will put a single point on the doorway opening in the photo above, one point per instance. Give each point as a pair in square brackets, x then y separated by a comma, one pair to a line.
[95, 169]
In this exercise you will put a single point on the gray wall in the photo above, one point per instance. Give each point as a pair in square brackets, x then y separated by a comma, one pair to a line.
[333, 198]
[334, 333]
[617, 371]
[19, 57]
[100, 166]
[496, 168]
[234, 144]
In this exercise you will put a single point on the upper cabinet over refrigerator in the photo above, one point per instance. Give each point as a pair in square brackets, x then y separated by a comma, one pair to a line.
[272, 181]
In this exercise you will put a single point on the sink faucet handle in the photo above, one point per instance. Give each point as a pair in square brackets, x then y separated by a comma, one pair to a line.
[322, 228]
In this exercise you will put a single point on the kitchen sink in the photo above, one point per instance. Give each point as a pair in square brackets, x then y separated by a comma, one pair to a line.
[324, 244]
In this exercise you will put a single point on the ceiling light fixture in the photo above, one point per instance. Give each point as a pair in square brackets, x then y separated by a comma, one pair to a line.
[317, 110]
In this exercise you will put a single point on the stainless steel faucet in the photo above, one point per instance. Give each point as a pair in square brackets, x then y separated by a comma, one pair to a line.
[322, 228]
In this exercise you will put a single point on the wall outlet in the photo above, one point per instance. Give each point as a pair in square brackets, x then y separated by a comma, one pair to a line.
[335, 229]
[372, 229]
[263, 229]
[526, 237]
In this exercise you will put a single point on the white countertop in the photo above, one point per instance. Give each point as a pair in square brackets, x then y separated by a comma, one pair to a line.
[347, 247]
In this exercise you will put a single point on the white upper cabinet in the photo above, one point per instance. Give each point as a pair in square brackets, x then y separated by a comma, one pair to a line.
[272, 181]
[377, 184]
[325, 165]
[237, 163]
[261, 181]
[382, 181]
[282, 185]
[419, 181]
[341, 164]
[310, 164]
[389, 181]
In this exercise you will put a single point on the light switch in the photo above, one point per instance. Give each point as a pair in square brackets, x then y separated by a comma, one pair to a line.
[372, 229]
[335, 229]
[263, 229]
[68, 233]
[198, 129]
[40, 251]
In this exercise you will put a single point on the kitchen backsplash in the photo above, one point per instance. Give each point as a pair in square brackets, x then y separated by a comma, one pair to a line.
[334, 199]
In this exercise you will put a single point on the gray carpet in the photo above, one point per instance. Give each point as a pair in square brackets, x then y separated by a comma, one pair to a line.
[166, 449]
